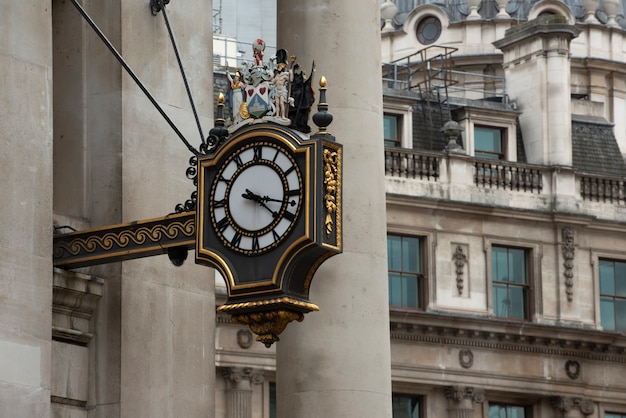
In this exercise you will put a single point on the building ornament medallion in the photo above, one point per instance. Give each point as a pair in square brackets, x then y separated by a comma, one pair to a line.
[568, 250]
[572, 368]
[466, 358]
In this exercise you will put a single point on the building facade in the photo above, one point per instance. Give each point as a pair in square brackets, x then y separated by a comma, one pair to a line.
[505, 228]
[487, 139]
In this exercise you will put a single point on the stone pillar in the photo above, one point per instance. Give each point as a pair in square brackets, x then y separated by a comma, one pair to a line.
[571, 407]
[537, 70]
[461, 400]
[336, 363]
[26, 210]
[239, 381]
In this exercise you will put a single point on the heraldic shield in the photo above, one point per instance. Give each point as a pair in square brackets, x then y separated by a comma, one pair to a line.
[258, 99]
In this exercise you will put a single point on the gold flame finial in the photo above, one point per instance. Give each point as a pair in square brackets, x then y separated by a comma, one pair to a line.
[220, 98]
[322, 81]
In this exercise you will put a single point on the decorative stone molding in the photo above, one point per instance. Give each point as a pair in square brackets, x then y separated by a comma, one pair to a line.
[568, 250]
[485, 334]
[565, 404]
[460, 393]
[461, 400]
[236, 375]
[75, 298]
[466, 358]
[245, 338]
[459, 261]
[572, 368]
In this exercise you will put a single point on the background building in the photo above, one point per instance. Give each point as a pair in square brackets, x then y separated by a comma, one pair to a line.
[496, 130]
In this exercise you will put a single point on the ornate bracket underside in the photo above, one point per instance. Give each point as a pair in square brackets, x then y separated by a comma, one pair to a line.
[125, 241]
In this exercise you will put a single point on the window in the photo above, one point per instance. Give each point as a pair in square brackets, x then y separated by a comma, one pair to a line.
[506, 411]
[406, 272]
[488, 143]
[612, 415]
[405, 406]
[428, 30]
[613, 294]
[273, 413]
[511, 289]
[393, 130]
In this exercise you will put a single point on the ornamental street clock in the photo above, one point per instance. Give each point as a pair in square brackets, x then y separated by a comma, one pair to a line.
[268, 215]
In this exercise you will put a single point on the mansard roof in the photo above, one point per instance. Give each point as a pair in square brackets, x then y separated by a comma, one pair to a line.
[595, 149]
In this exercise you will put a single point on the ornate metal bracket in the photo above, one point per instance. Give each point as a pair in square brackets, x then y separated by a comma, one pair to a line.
[157, 5]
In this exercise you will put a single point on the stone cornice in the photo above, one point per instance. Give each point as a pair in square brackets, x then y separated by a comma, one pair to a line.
[493, 334]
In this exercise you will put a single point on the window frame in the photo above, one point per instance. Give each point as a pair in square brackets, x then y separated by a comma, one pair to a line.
[504, 120]
[398, 122]
[528, 409]
[422, 277]
[534, 254]
[501, 156]
[596, 257]
[419, 398]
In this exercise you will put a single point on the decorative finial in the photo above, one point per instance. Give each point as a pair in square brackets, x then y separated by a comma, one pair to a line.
[219, 133]
[322, 118]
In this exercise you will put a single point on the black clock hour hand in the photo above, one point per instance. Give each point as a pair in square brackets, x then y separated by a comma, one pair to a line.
[269, 199]
[253, 196]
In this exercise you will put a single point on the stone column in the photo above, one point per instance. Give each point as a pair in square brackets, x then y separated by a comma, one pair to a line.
[336, 363]
[239, 381]
[537, 70]
[461, 400]
[26, 210]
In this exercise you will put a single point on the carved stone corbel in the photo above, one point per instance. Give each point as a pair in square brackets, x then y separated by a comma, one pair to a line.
[564, 404]
[461, 400]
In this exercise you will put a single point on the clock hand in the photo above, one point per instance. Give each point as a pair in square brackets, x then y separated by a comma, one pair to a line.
[269, 199]
[253, 196]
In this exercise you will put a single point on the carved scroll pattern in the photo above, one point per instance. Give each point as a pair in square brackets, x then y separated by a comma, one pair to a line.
[460, 260]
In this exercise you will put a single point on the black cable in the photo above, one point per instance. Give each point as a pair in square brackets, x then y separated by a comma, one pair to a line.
[182, 70]
[132, 75]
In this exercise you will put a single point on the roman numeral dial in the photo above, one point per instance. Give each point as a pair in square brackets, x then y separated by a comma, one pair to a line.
[256, 197]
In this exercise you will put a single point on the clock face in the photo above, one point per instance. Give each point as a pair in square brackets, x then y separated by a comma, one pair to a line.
[256, 198]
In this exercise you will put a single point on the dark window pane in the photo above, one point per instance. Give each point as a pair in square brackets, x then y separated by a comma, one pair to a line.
[496, 411]
[273, 413]
[488, 143]
[517, 266]
[517, 296]
[395, 289]
[500, 301]
[405, 406]
[620, 314]
[607, 281]
[409, 291]
[394, 253]
[411, 255]
[516, 412]
[620, 279]
[607, 313]
[499, 264]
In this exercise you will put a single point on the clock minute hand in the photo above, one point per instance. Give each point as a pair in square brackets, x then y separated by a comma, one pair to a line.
[269, 199]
